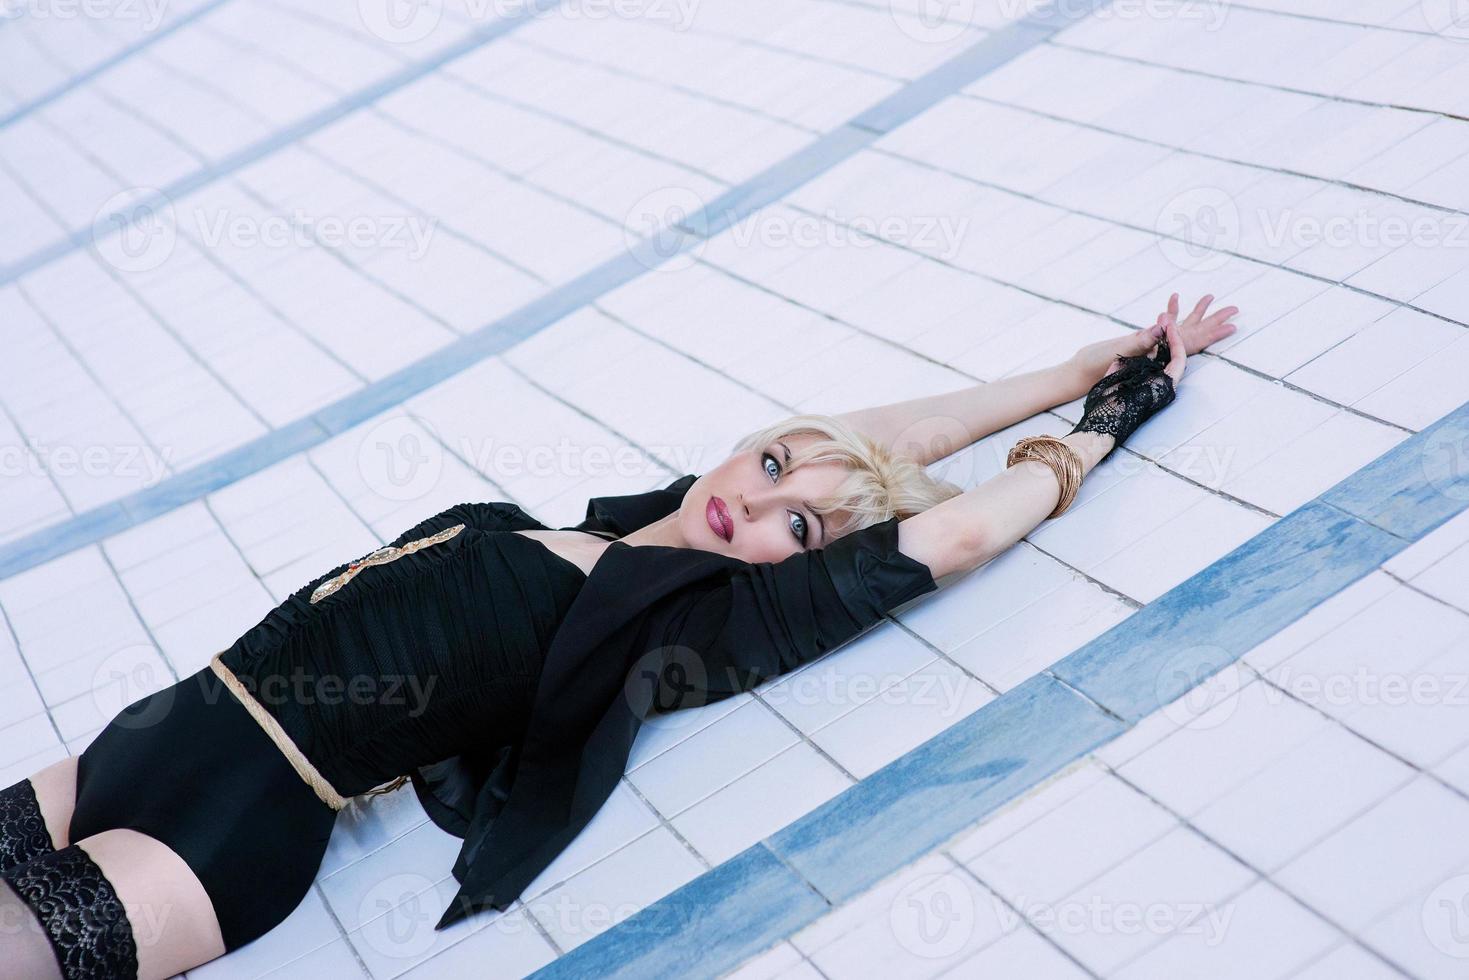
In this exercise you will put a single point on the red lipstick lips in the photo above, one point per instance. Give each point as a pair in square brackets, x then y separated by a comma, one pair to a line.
[719, 519]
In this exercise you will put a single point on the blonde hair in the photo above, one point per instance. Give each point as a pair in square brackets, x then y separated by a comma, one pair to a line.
[881, 483]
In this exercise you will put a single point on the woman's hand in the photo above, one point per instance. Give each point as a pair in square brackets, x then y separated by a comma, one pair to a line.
[1197, 330]
[1195, 333]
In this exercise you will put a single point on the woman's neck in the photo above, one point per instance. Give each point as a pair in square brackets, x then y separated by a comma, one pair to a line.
[663, 531]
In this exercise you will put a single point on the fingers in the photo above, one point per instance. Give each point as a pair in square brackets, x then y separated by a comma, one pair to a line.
[1218, 317]
[1198, 312]
[1172, 307]
[1174, 368]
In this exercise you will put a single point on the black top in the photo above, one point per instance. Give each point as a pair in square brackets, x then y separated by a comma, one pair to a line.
[546, 674]
[413, 659]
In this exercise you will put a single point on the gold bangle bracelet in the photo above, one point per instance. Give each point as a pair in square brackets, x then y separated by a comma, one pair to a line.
[1061, 458]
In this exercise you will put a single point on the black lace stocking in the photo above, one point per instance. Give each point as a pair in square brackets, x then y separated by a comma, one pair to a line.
[1129, 396]
[23, 833]
[77, 907]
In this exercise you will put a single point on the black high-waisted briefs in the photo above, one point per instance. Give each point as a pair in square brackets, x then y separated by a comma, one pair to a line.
[188, 766]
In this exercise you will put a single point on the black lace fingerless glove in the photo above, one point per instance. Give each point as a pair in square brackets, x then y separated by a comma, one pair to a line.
[1129, 396]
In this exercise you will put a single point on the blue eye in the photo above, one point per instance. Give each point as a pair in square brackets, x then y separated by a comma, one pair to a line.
[798, 525]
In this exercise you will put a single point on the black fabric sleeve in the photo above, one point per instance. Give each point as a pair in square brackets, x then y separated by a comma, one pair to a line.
[768, 618]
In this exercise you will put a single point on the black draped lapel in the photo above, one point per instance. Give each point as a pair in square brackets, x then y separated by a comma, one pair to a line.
[531, 800]
[625, 513]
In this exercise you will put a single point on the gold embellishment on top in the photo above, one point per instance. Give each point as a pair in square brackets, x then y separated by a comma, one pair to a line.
[380, 557]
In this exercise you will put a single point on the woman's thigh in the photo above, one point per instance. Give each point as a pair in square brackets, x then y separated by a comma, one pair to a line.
[56, 793]
[172, 918]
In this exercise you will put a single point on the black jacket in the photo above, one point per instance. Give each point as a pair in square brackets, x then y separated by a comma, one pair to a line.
[653, 629]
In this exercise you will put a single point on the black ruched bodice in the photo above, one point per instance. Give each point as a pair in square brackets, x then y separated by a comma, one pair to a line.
[411, 660]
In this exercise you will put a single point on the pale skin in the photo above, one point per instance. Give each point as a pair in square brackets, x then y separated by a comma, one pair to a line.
[175, 927]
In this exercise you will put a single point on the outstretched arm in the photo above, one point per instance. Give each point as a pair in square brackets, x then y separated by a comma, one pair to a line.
[929, 428]
[966, 531]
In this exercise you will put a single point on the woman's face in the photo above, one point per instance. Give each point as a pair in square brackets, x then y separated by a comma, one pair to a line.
[759, 506]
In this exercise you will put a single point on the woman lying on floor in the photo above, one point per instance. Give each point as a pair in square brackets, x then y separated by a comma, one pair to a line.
[504, 667]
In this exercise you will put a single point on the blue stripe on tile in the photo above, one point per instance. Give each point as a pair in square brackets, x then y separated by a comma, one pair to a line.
[117, 58]
[1416, 485]
[1208, 621]
[949, 783]
[769, 185]
[908, 807]
[260, 149]
[695, 923]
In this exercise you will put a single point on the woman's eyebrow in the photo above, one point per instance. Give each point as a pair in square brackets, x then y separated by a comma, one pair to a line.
[821, 521]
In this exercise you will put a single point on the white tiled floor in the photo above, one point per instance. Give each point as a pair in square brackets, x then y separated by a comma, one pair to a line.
[1239, 831]
[1055, 201]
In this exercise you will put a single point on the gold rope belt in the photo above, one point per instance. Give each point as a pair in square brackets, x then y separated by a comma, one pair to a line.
[318, 783]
